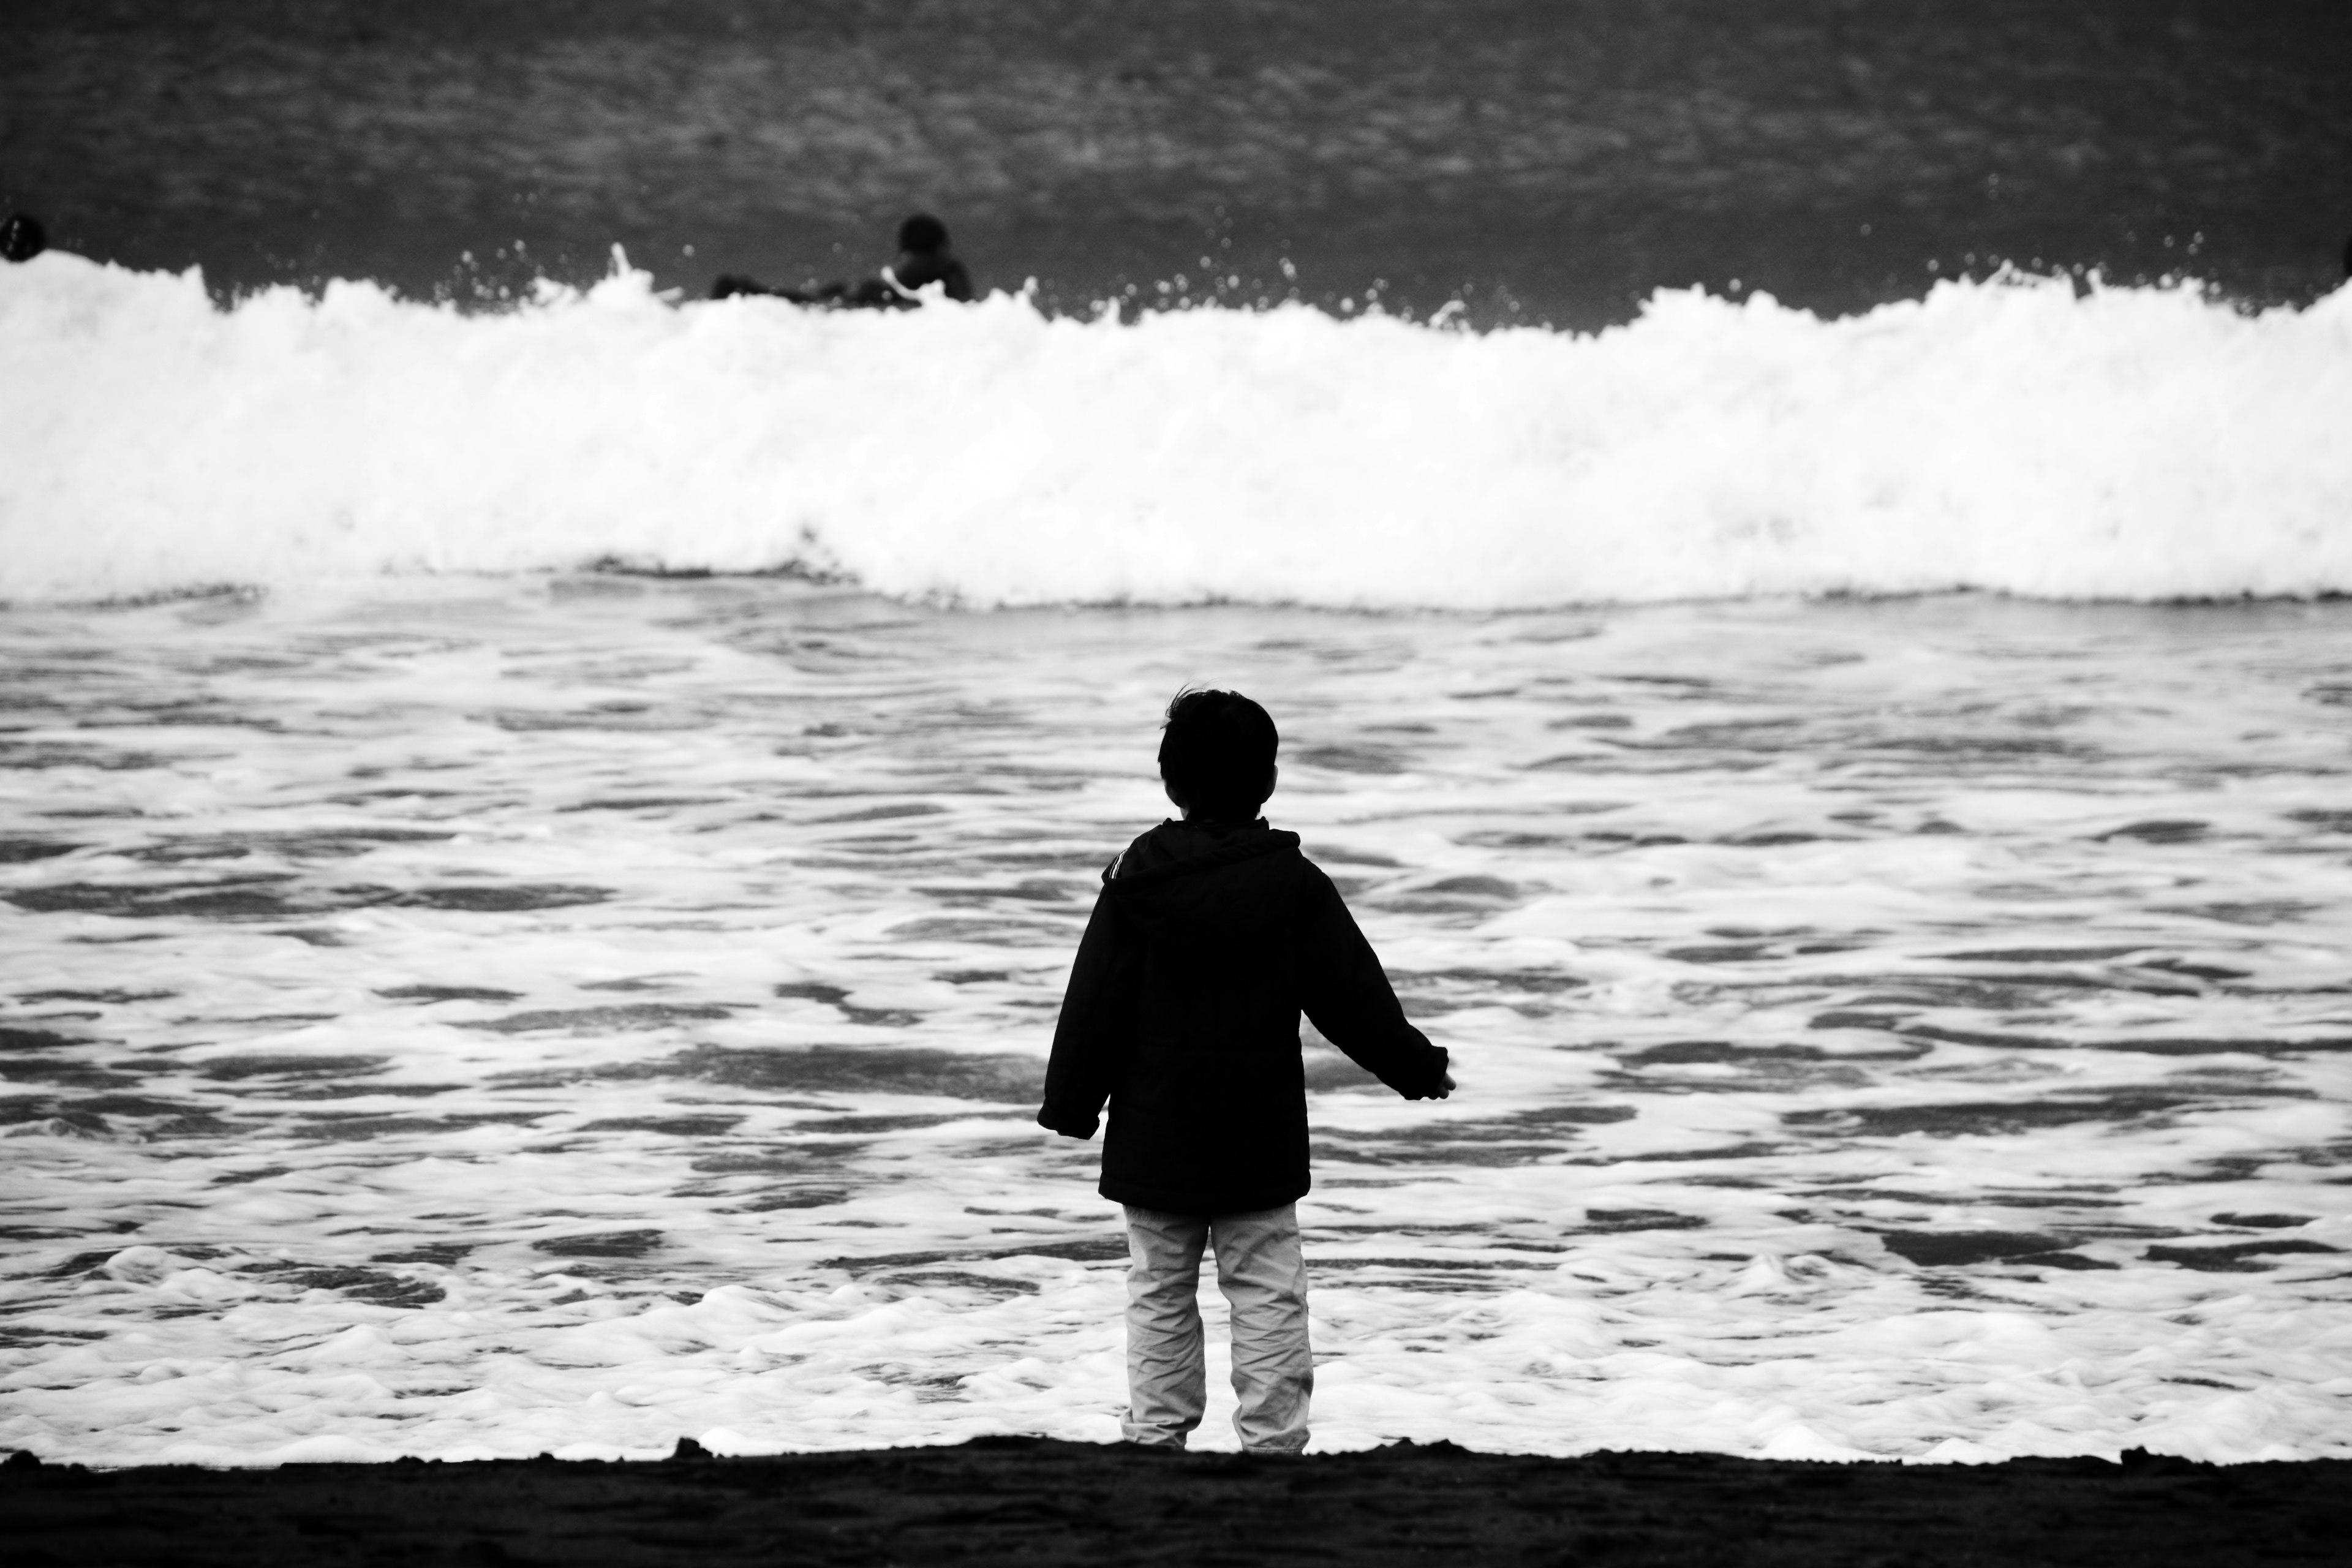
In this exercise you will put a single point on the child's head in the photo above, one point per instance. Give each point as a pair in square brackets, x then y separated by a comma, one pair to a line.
[1217, 756]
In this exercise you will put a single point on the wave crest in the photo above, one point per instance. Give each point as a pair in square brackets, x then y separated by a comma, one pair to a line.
[2013, 435]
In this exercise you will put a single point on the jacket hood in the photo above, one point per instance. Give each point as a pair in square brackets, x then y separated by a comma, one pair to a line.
[1201, 885]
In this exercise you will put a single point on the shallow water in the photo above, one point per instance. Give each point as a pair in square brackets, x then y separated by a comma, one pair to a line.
[461, 1016]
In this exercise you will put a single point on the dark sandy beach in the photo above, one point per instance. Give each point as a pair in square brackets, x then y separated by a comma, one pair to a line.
[1032, 1500]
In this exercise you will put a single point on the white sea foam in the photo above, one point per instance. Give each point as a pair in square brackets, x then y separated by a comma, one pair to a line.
[472, 1017]
[2132, 444]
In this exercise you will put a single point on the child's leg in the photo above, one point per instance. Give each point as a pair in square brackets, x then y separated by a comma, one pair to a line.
[1167, 1376]
[1263, 1273]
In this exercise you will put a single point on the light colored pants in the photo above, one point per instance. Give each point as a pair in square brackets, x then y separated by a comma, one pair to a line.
[1264, 1276]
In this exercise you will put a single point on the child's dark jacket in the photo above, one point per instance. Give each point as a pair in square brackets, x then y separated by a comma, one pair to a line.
[1206, 944]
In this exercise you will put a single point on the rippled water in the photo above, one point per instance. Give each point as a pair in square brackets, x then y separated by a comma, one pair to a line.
[465, 1017]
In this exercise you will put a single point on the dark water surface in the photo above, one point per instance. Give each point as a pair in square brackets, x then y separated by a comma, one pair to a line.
[1535, 158]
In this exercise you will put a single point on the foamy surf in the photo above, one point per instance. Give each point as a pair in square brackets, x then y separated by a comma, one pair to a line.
[483, 1018]
[2121, 443]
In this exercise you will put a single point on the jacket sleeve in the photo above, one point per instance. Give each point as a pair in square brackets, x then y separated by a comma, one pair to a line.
[1098, 1021]
[1347, 995]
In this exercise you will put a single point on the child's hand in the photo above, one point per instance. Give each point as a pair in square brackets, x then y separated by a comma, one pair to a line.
[1447, 1088]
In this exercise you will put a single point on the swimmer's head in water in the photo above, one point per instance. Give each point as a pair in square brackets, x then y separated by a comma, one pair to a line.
[21, 238]
[922, 234]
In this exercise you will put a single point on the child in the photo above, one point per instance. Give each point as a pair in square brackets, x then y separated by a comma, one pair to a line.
[1210, 937]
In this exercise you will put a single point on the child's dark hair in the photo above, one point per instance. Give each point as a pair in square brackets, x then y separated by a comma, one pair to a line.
[1217, 749]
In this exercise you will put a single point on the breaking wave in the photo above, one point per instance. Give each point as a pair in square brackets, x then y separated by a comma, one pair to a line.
[2027, 436]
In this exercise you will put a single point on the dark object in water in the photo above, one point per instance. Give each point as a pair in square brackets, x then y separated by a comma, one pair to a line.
[22, 236]
[870, 294]
[924, 259]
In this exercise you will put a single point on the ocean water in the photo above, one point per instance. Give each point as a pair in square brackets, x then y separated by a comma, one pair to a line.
[541, 850]
[463, 1015]
[1527, 160]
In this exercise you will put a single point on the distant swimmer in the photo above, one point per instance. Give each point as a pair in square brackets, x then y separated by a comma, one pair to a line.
[21, 238]
[924, 259]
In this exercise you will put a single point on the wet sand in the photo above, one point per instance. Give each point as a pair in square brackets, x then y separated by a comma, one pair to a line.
[1036, 1501]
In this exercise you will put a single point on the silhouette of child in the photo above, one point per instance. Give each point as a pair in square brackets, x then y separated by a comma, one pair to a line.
[1209, 939]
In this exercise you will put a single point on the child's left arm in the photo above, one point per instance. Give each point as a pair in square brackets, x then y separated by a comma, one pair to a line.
[1097, 1021]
